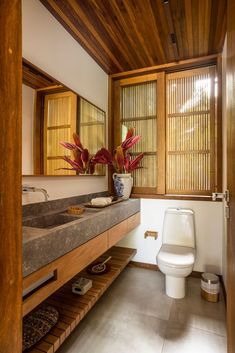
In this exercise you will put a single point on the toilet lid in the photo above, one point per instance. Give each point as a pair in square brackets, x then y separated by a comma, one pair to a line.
[176, 256]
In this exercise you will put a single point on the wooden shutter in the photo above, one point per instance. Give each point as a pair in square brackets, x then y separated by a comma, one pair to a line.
[190, 145]
[139, 110]
[60, 114]
[92, 129]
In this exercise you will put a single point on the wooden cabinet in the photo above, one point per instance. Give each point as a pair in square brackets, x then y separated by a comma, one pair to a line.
[133, 222]
[116, 233]
[66, 267]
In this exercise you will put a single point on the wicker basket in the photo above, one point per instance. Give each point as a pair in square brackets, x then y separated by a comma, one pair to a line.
[77, 210]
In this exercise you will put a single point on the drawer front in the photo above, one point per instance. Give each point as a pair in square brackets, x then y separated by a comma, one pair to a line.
[116, 233]
[133, 222]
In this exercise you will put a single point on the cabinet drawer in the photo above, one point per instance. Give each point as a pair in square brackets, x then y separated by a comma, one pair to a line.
[133, 222]
[116, 233]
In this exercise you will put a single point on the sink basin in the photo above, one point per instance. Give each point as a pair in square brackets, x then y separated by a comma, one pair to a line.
[49, 221]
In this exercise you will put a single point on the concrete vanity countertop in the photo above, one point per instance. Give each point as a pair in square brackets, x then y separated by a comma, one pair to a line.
[43, 245]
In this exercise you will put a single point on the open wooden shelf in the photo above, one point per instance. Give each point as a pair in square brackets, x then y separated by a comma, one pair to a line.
[72, 308]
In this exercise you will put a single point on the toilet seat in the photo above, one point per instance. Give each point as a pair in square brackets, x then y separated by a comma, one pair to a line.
[176, 256]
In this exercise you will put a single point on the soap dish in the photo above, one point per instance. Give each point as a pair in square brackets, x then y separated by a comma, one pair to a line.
[77, 210]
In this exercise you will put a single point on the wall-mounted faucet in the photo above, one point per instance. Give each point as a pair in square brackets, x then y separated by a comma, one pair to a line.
[27, 188]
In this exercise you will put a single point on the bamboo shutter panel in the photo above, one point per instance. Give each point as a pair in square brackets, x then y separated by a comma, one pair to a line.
[176, 116]
[190, 145]
[139, 110]
[92, 130]
[59, 125]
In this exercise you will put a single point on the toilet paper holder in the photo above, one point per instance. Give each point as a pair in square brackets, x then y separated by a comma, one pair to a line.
[150, 233]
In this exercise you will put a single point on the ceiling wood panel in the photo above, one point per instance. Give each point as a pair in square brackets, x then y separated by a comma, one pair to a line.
[35, 78]
[124, 35]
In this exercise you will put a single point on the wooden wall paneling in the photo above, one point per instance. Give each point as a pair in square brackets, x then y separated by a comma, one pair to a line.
[213, 131]
[111, 130]
[38, 133]
[114, 133]
[230, 110]
[127, 35]
[161, 133]
[117, 114]
[219, 127]
[10, 177]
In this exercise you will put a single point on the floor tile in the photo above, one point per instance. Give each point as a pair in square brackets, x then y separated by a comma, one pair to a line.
[182, 339]
[136, 316]
[138, 291]
[196, 312]
[134, 334]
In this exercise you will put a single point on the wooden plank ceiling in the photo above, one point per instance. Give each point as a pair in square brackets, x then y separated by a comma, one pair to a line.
[123, 35]
[33, 77]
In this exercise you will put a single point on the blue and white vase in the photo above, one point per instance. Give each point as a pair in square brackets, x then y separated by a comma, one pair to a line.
[123, 184]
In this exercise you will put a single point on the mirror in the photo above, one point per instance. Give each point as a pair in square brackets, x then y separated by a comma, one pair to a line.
[52, 113]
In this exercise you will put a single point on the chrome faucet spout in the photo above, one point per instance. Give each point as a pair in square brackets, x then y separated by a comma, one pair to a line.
[27, 188]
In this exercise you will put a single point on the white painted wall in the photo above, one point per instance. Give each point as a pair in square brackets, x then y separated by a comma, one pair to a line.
[209, 231]
[50, 47]
[28, 94]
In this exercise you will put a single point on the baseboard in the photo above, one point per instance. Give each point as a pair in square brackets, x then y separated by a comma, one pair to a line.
[194, 274]
[153, 267]
[144, 265]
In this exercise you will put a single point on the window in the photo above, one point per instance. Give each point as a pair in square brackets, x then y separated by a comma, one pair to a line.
[92, 129]
[139, 110]
[190, 146]
[59, 125]
[64, 114]
[175, 114]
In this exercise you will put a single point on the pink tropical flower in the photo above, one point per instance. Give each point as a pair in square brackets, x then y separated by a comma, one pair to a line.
[121, 161]
[83, 162]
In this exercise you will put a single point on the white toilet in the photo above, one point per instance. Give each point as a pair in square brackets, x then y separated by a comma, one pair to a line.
[177, 254]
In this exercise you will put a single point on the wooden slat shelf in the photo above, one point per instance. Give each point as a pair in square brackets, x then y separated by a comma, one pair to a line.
[72, 308]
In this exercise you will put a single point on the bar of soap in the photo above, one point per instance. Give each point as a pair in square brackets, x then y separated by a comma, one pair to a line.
[101, 201]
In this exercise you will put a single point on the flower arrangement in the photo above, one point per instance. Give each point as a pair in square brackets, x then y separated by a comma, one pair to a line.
[83, 161]
[121, 161]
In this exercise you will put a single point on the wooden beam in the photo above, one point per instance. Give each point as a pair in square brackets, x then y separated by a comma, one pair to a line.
[10, 177]
[169, 67]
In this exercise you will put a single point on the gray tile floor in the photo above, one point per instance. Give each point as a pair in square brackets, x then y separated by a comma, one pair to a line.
[135, 316]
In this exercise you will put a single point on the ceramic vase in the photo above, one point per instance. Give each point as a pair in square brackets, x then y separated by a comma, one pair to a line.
[123, 184]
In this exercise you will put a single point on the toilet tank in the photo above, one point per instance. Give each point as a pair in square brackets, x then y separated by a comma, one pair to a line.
[178, 227]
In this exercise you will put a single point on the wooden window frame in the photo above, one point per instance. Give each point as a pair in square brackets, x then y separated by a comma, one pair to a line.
[117, 81]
